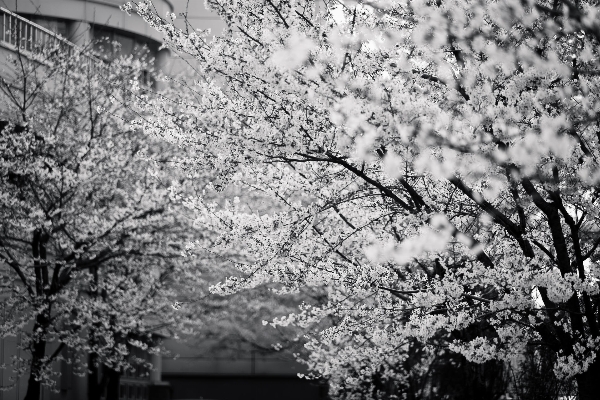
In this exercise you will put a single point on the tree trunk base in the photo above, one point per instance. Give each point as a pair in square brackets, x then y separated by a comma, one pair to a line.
[588, 383]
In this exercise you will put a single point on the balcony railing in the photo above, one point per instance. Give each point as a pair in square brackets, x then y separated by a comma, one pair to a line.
[23, 36]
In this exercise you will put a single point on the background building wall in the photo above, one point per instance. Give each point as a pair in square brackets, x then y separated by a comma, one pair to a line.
[81, 21]
[201, 371]
[101, 12]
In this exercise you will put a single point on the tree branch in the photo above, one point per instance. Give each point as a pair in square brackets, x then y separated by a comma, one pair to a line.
[498, 216]
[279, 14]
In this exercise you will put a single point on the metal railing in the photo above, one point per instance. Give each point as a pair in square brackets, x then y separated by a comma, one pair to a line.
[26, 37]
[18, 32]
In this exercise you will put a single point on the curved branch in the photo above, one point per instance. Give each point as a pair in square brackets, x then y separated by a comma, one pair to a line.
[498, 216]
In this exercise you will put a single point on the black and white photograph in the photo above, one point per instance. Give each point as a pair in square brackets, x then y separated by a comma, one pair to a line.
[300, 200]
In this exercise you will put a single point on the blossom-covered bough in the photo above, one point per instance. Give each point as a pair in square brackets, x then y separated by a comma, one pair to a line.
[435, 164]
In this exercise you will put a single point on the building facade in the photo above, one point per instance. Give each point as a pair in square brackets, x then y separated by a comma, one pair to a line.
[238, 371]
[84, 21]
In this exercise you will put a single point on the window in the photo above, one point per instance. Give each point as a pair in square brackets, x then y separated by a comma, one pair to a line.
[4, 28]
[55, 25]
[103, 39]
[127, 43]
[66, 371]
[130, 44]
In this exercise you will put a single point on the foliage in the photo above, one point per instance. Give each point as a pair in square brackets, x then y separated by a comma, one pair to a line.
[435, 165]
[90, 239]
[232, 325]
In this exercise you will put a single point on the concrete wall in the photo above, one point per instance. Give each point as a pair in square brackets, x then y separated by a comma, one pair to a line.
[205, 371]
[209, 358]
[70, 387]
[8, 349]
[246, 388]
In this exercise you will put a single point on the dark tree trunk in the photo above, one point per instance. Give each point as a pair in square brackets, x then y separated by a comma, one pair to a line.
[34, 386]
[38, 251]
[588, 383]
[103, 382]
[95, 387]
[94, 391]
[114, 380]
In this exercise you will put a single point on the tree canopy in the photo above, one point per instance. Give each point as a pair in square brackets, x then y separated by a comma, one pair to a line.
[91, 236]
[434, 165]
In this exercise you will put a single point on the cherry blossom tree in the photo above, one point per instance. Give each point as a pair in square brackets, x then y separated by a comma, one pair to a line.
[435, 166]
[234, 323]
[91, 235]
